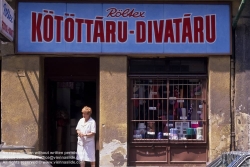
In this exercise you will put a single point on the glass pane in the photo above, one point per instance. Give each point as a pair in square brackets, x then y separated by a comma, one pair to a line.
[168, 109]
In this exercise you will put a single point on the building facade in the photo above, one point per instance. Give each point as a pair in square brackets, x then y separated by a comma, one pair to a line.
[159, 77]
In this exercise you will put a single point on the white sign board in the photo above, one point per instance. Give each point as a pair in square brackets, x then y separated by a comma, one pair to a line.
[6, 20]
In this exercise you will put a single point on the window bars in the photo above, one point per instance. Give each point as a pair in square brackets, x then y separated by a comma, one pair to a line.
[168, 109]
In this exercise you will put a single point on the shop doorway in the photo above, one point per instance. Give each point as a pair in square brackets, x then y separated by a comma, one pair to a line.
[65, 96]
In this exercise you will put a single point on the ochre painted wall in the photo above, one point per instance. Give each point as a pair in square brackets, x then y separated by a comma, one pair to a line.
[113, 111]
[219, 105]
[21, 120]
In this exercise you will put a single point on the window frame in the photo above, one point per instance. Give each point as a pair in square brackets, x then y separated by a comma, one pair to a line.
[168, 78]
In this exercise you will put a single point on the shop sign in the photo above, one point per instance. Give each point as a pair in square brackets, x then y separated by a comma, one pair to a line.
[6, 21]
[124, 28]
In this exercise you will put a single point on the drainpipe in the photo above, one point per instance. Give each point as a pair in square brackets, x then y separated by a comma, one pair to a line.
[236, 18]
[232, 74]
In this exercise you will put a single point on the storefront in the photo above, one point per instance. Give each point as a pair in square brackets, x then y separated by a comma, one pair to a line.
[155, 74]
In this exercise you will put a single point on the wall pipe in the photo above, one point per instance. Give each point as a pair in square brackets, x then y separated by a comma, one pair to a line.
[232, 75]
[236, 18]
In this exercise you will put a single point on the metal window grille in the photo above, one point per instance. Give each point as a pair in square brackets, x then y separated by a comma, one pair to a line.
[168, 109]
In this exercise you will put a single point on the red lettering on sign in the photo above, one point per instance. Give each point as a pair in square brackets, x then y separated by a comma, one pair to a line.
[79, 23]
[150, 32]
[48, 28]
[158, 29]
[4, 26]
[169, 32]
[177, 23]
[59, 20]
[36, 35]
[122, 31]
[198, 29]
[46, 25]
[140, 31]
[186, 29]
[210, 28]
[7, 29]
[88, 29]
[98, 31]
[110, 31]
[69, 29]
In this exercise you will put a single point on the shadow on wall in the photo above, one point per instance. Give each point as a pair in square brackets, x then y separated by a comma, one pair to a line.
[21, 111]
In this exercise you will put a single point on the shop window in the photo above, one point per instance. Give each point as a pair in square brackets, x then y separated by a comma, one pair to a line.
[164, 109]
[168, 100]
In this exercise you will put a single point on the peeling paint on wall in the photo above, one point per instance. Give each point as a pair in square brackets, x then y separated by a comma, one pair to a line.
[242, 131]
[113, 154]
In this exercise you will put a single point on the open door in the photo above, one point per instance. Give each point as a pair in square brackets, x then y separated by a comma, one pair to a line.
[66, 100]
[70, 84]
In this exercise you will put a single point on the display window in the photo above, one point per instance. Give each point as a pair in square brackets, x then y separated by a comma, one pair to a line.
[168, 108]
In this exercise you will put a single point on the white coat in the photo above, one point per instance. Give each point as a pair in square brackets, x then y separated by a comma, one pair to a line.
[86, 145]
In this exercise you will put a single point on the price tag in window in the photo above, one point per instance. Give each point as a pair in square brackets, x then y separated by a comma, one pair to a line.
[197, 93]
[180, 101]
[200, 106]
[198, 112]
[152, 108]
[170, 125]
[172, 98]
[183, 117]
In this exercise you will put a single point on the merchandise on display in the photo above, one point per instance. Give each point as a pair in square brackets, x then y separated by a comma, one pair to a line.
[173, 134]
[191, 133]
[177, 116]
[199, 133]
[160, 135]
[142, 129]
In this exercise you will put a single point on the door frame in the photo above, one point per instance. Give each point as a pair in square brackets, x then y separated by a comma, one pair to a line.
[77, 69]
[47, 108]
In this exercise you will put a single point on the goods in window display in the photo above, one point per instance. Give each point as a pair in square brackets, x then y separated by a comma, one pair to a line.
[150, 135]
[141, 94]
[182, 129]
[173, 134]
[136, 95]
[151, 126]
[185, 125]
[142, 129]
[137, 134]
[167, 109]
[160, 135]
[194, 124]
[183, 113]
[191, 133]
[167, 125]
[181, 110]
[190, 110]
[151, 130]
[153, 91]
[176, 106]
[199, 133]
[178, 126]
[165, 135]
[196, 91]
